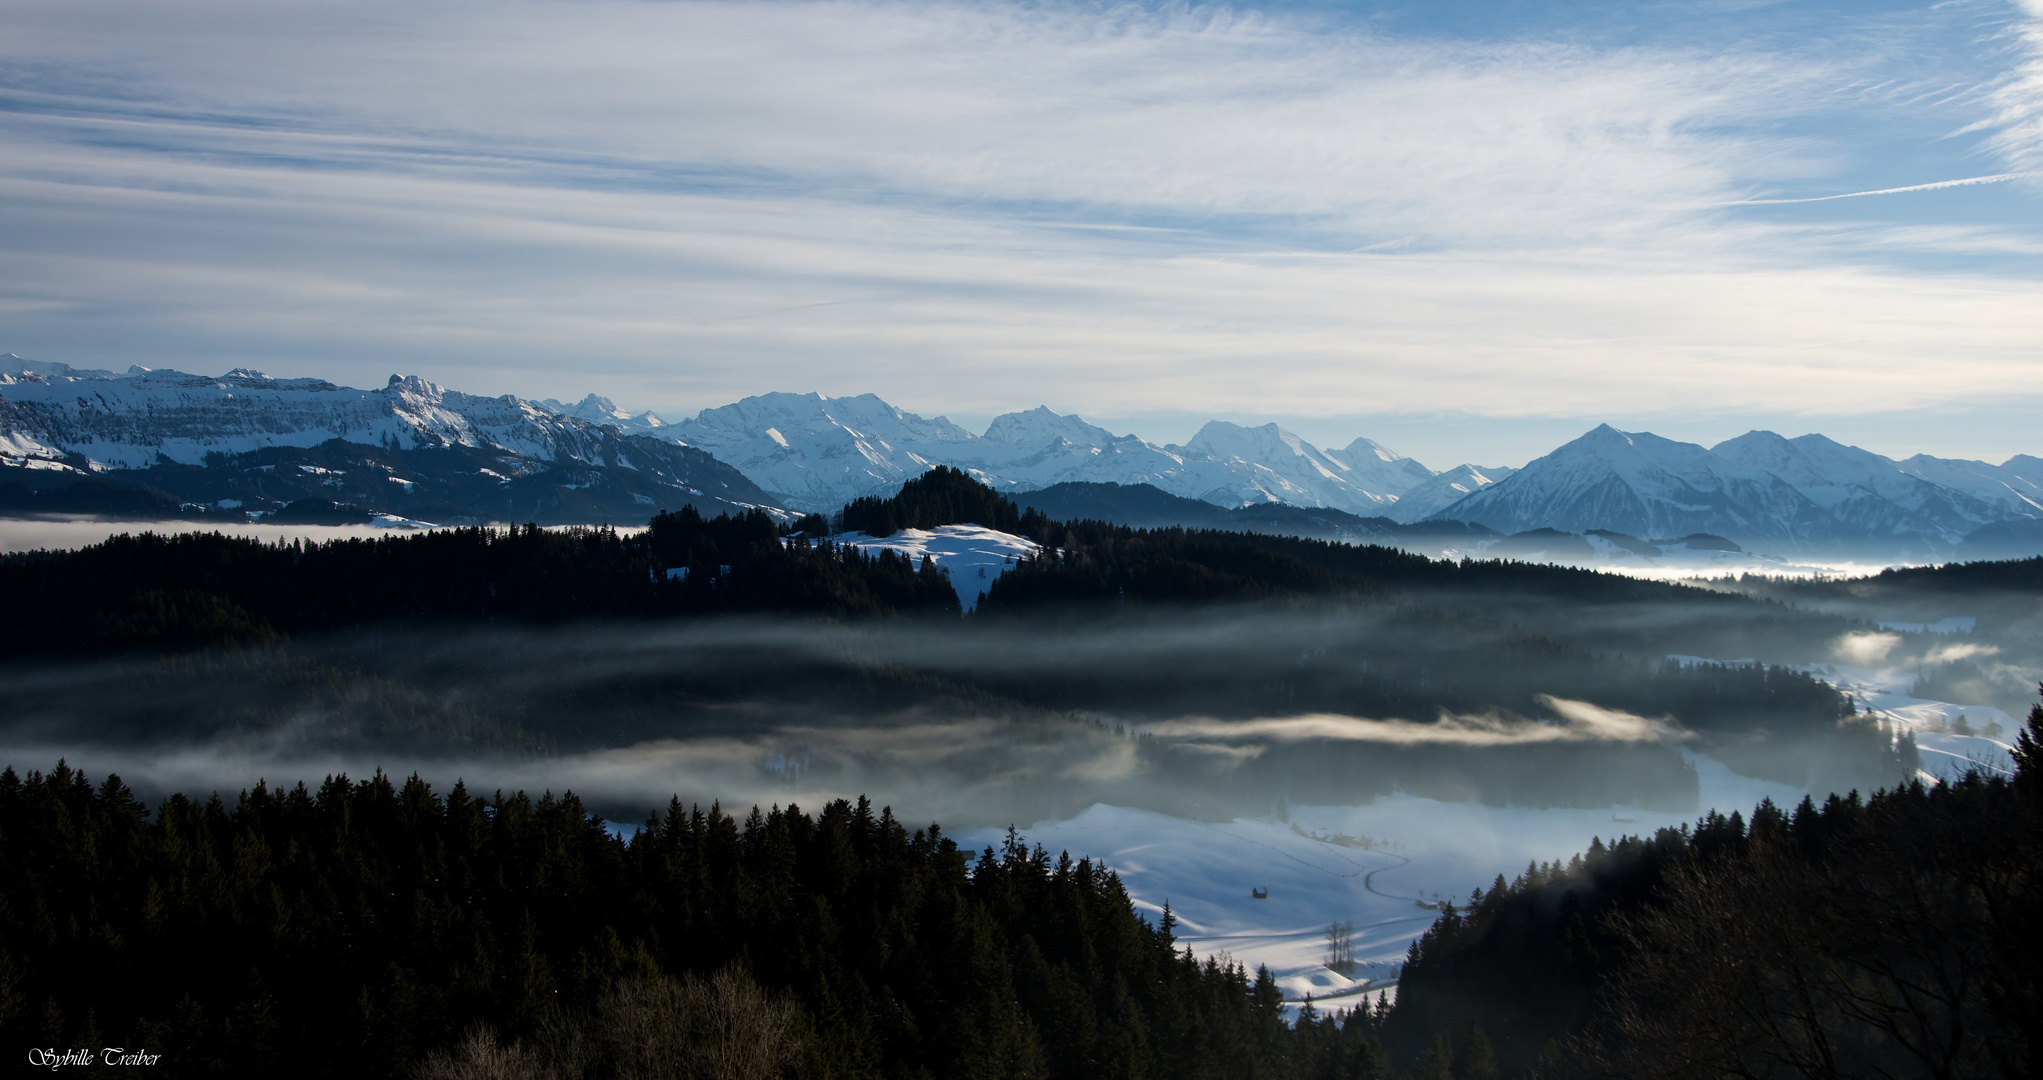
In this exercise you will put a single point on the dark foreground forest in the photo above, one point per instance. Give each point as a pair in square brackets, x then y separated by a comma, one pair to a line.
[371, 929]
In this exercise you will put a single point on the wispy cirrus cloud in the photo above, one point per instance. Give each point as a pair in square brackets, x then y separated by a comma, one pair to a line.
[948, 203]
[2017, 127]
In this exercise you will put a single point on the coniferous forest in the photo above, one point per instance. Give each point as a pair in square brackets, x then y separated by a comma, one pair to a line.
[410, 925]
[373, 928]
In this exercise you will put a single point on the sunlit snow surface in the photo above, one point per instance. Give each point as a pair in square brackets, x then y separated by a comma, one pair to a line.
[1680, 564]
[58, 534]
[1945, 755]
[1316, 871]
[973, 555]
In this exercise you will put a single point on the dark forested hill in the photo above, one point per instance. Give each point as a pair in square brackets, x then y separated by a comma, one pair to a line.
[941, 496]
[153, 591]
[1894, 935]
[687, 562]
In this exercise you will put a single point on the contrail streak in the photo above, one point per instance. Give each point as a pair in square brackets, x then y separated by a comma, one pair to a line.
[1966, 182]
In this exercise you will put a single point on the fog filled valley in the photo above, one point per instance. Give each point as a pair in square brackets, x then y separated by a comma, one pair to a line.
[1208, 713]
[1311, 752]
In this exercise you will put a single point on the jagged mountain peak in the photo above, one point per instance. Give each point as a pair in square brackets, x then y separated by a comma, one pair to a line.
[1436, 493]
[1042, 424]
[1223, 439]
[1814, 461]
[1283, 467]
[1362, 449]
[863, 415]
[600, 410]
[2009, 490]
[246, 421]
[1379, 468]
[817, 453]
[1213, 430]
[1867, 492]
[415, 385]
[1754, 438]
[1645, 485]
[1806, 493]
[137, 419]
[1642, 455]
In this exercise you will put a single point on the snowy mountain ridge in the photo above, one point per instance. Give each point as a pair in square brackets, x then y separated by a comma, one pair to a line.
[816, 453]
[219, 443]
[144, 417]
[1809, 493]
[811, 452]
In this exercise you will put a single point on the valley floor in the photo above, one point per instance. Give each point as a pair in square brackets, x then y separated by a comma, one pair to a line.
[1377, 866]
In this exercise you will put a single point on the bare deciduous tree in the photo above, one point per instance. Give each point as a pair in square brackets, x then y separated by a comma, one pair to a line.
[1881, 959]
[725, 1027]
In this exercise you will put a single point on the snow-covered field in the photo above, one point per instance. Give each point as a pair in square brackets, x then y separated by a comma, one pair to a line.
[1937, 724]
[1677, 563]
[55, 534]
[1375, 866]
[974, 555]
[1733, 564]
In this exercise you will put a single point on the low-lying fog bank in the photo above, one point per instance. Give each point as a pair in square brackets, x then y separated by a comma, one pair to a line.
[1208, 714]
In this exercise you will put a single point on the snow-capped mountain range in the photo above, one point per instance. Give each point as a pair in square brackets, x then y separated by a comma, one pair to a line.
[814, 453]
[412, 449]
[144, 417]
[810, 452]
[1804, 494]
[817, 453]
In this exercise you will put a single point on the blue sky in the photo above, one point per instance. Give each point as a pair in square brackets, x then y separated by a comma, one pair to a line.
[1469, 230]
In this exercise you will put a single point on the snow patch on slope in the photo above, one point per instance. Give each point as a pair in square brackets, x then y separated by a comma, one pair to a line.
[1946, 754]
[974, 556]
